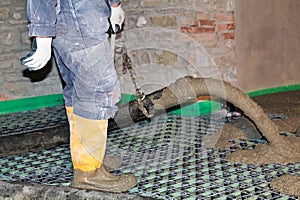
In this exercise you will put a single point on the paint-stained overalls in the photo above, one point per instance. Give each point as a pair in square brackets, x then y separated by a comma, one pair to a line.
[82, 52]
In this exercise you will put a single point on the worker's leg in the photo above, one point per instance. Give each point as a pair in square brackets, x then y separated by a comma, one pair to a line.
[89, 69]
[88, 144]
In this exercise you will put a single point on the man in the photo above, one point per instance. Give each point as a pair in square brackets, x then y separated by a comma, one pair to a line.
[77, 31]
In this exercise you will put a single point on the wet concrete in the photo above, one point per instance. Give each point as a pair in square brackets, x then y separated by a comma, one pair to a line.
[39, 192]
[287, 184]
[286, 105]
[188, 88]
[287, 149]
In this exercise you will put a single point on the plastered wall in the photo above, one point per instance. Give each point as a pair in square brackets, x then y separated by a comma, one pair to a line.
[267, 39]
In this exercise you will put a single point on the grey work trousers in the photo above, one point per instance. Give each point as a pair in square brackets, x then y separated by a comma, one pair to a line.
[84, 58]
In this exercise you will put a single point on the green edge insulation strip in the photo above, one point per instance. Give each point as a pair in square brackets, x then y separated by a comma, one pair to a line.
[202, 107]
[31, 103]
[274, 90]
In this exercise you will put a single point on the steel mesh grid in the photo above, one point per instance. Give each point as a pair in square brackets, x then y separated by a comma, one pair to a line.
[32, 120]
[166, 155]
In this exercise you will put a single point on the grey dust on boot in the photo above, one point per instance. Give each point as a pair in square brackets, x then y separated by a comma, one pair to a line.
[102, 180]
[112, 162]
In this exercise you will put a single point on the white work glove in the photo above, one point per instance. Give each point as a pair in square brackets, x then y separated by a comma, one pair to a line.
[39, 55]
[117, 18]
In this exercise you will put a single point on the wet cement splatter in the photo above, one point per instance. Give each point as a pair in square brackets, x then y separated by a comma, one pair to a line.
[287, 150]
[287, 184]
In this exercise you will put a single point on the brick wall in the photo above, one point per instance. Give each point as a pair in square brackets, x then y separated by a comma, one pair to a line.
[194, 37]
[166, 39]
[16, 81]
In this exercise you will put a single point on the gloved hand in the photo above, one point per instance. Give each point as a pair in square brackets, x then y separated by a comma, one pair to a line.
[40, 54]
[117, 18]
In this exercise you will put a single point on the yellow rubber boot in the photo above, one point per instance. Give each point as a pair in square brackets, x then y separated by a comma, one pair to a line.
[110, 162]
[88, 146]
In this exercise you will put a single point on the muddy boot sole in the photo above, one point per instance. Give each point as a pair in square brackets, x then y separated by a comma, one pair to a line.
[123, 184]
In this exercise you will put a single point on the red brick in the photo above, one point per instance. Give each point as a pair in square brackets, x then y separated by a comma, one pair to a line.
[194, 30]
[184, 29]
[4, 97]
[226, 27]
[197, 30]
[229, 35]
[207, 29]
[224, 17]
[207, 22]
[231, 26]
